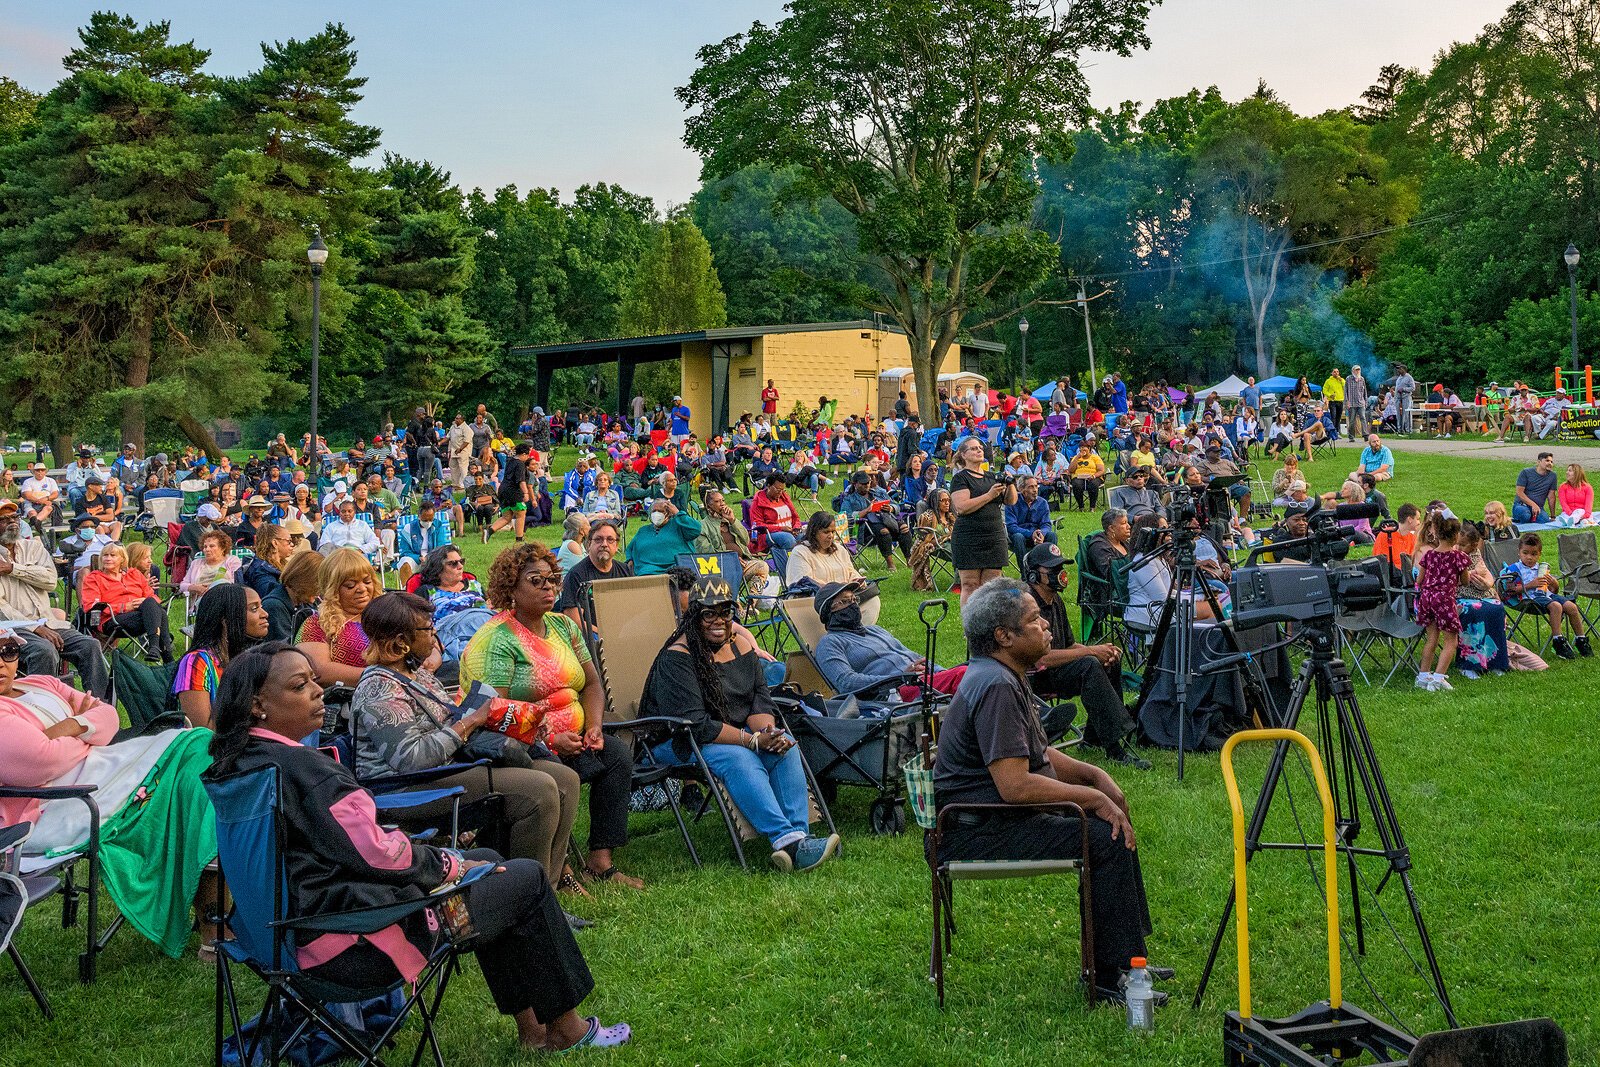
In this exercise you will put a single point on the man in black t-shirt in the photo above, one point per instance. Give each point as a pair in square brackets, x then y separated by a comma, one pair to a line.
[992, 750]
[1092, 673]
[514, 494]
[603, 544]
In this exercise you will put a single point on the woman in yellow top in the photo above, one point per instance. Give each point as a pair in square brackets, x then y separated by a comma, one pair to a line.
[1144, 455]
[1087, 473]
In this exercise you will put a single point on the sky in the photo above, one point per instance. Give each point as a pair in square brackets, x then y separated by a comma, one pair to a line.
[547, 94]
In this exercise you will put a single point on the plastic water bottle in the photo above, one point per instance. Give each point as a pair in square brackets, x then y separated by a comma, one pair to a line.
[1140, 997]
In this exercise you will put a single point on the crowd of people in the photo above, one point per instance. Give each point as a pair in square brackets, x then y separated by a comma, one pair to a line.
[280, 559]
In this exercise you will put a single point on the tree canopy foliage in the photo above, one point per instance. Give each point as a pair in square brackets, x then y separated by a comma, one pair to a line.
[921, 119]
[933, 161]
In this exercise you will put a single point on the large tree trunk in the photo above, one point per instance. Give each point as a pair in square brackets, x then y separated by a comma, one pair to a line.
[61, 449]
[136, 376]
[199, 436]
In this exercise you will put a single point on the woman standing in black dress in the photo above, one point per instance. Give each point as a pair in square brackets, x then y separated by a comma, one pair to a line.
[978, 544]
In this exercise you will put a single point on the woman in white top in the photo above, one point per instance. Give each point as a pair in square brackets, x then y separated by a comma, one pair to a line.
[1150, 582]
[1245, 427]
[820, 557]
[574, 535]
[602, 502]
[216, 563]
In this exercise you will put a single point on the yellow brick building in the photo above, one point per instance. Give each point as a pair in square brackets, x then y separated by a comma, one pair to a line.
[722, 372]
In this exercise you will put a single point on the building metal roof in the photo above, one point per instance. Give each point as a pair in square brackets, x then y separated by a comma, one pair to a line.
[728, 333]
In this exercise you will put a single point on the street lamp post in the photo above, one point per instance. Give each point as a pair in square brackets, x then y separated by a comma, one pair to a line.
[317, 254]
[1022, 328]
[1571, 259]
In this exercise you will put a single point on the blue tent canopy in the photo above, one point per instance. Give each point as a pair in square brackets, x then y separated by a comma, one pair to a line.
[1042, 394]
[1282, 384]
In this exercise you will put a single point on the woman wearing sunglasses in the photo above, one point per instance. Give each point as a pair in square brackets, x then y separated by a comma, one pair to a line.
[711, 675]
[535, 658]
[156, 830]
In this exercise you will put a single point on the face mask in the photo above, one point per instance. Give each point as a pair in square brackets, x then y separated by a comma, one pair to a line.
[1052, 578]
[845, 618]
[658, 518]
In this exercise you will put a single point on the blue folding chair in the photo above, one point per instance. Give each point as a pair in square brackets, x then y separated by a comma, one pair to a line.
[300, 1011]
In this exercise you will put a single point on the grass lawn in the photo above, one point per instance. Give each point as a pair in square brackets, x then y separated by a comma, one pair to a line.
[1494, 788]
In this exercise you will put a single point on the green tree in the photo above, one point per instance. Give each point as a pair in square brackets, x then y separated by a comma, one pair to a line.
[418, 343]
[781, 258]
[103, 235]
[17, 106]
[922, 120]
[674, 287]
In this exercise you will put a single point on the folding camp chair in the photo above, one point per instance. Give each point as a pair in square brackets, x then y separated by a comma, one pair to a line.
[945, 873]
[63, 870]
[1578, 557]
[1520, 611]
[633, 618]
[17, 894]
[145, 693]
[1390, 628]
[251, 838]
[1096, 620]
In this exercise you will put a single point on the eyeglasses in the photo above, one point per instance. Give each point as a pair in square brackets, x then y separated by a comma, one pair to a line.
[549, 581]
[716, 611]
[452, 563]
[10, 653]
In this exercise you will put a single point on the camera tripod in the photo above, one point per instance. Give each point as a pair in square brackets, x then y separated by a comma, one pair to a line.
[1177, 621]
[1336, 707]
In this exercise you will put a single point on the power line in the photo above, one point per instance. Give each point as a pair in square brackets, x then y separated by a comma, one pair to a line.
[1182, 266]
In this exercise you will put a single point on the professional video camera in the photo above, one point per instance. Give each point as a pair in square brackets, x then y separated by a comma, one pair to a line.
[1272, 593]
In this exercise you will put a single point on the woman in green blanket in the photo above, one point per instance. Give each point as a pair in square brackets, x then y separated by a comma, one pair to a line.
[157, 831]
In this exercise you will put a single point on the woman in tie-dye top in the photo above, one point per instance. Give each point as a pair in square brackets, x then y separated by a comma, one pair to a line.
[228, 620]
[536, 659]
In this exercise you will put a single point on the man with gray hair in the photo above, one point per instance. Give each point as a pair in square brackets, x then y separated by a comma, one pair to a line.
[27, 578]
[1134, 495]
[992, 750]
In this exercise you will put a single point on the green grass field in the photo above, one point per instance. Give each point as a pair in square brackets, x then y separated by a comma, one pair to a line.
[1493, 784]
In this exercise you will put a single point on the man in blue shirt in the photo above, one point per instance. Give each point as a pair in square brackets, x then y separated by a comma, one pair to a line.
[1376, 460]
[1119, 398]
[680, 420]
[1028, 520]
[1251, 395]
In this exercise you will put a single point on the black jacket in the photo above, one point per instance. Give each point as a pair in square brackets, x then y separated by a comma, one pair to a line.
[337, 858]
[263, 578]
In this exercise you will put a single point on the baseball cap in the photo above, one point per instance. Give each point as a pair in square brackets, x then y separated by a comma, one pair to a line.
[710, 590]
[1044, 557]
[826, 595]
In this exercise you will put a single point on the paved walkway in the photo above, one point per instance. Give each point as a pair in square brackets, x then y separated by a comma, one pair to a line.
[1478, 447]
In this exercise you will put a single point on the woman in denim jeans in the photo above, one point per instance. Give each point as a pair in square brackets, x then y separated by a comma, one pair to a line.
[711, 675]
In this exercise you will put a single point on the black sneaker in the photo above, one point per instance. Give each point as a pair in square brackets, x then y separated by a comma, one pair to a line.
[1584, 648]
[1559, 646]
[1120, 753]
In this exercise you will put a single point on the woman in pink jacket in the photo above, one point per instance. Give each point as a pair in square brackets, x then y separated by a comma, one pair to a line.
[157, 831]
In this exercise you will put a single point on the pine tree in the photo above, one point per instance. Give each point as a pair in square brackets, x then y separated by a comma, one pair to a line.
[675, 286]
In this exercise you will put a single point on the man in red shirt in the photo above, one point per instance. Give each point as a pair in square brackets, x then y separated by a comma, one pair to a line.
[769, 399]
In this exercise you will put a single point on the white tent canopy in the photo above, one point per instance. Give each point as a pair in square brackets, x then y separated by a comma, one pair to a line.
[1230, 388]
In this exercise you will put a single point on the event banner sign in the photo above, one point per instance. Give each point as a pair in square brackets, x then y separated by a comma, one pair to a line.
[1581, 425]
